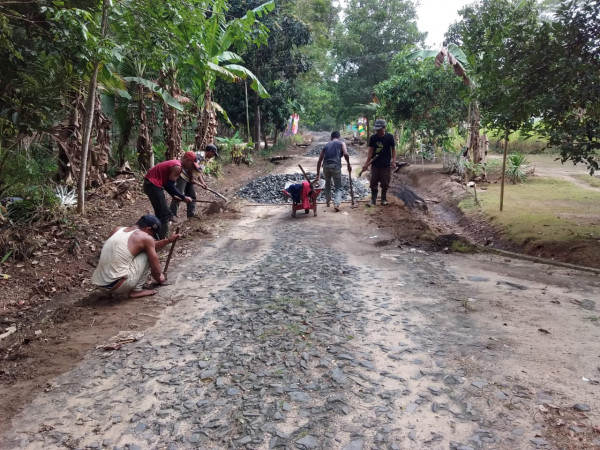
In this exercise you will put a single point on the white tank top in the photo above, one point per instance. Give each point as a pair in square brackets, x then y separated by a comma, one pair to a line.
[115, 259]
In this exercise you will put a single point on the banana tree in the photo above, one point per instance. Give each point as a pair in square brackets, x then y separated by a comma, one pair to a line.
[144, 142]
[456, 58]
[213, 57]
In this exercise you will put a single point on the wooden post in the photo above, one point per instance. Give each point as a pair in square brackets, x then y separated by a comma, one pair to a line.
[503, 170]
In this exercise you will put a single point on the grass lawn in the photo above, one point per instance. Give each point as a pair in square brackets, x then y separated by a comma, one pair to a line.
[544, 209]
[592, 181]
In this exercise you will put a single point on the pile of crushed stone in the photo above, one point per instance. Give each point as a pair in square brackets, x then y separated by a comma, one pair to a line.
[269, 189]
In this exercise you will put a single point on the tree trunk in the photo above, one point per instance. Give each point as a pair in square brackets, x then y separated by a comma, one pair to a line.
[101, 153]
[87, 132]
[256, 123]
[247, 114]
[172, 123]
[125, 136]
[264, 135]
[503, 170]
[276, 137]
[474, 124]
[89, 118]
[144, 144]
[206, 125]
[152, 123]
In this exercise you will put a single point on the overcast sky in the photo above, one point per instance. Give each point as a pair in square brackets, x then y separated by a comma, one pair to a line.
[435, 16]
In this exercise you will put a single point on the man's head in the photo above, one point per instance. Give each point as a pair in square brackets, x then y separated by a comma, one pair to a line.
[150, 224]
[379, 126]
[211, 151]
[188, 161]
[335, 134]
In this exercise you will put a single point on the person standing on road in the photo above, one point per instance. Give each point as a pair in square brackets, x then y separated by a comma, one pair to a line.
[185, 182]
[163, 177]
[129, 255]
[382, 155]
[331, 158]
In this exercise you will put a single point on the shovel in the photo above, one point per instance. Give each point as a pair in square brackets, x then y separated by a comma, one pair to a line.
[354, 205]
[368, 164]
[216, 193]
[170, 254]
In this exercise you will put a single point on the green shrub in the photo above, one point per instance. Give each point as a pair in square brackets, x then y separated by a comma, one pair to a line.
[516, 166]
[40, 204]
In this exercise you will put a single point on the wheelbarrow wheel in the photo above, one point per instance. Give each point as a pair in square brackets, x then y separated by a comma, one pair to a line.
[306, 211]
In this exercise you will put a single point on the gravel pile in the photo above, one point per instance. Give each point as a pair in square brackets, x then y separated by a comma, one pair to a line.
[316, 147]
[268, 189]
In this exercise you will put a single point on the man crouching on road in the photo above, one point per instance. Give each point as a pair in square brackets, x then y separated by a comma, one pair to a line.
[127, 257]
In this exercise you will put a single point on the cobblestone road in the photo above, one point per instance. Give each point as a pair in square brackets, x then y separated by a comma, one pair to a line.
[298, 334]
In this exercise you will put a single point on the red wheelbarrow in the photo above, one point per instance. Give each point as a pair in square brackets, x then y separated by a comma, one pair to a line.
[303, 197]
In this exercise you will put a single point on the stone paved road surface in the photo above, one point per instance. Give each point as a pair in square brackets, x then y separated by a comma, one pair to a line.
[312, 333]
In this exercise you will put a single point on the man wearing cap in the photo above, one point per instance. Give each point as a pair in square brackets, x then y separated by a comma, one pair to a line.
[185, 182]
[382, 156]
[331, 158]
[163, 177]
[129, 255]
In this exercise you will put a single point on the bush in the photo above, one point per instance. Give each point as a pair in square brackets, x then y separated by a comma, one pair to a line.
[40, 204]
[516, 168]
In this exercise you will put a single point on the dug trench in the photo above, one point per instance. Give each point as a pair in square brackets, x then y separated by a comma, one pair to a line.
[345, 330]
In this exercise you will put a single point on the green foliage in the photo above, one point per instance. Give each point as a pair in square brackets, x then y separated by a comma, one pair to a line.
[499, 36]
[5, 257]
[516, 168]
[566, 82]
[40, 204]
[476, 169]
[493, 166]
[453, 161]
[279, 63]
[160, 150]
[213, 168]
[538, 60]
[22, 167]
[232, 146]
[427, 99]
[375, 30]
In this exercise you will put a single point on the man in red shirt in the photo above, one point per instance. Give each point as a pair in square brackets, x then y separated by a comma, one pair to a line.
[163, 177]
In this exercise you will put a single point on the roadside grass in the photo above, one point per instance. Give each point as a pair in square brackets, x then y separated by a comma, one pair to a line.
[542, 209]
[592, 181]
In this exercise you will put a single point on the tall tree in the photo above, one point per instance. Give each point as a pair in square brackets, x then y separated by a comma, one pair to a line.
[500, 37]
[277, 64]
[566, 70]
[426, 99]
[375, 30]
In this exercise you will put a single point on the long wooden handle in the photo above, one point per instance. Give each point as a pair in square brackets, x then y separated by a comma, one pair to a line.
[305, 176]
[216, 193]
[368, 164]
[351, 189]
[170, 254]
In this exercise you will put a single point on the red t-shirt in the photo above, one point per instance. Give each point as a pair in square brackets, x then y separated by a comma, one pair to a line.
[159, 174]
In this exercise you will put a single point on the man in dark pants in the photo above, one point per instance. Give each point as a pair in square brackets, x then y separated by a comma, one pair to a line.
[163, 177]
[186, 182]
[331, 158]
[383, 148]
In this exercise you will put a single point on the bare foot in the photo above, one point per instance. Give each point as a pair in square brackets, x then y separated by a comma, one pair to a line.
[142, 293]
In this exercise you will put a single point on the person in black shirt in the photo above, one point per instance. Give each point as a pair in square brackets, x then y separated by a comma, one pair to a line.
[382, 154]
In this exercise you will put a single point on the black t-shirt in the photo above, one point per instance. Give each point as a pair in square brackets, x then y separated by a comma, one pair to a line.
[382, 146]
